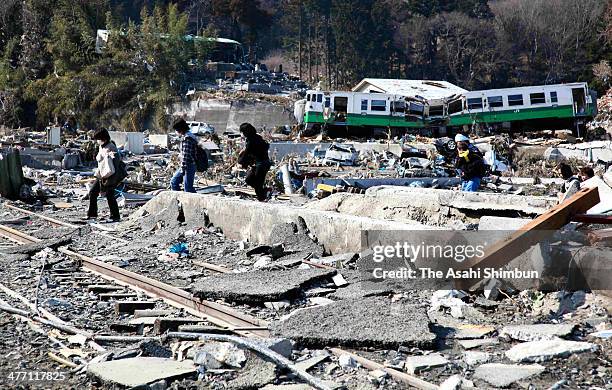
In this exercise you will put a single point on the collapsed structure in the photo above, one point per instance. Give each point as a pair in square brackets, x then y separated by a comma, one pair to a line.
[216, 290]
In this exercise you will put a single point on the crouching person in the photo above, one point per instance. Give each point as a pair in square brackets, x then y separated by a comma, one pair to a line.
[255, 156]
[472, 167]
[110, 173]
[188, 148]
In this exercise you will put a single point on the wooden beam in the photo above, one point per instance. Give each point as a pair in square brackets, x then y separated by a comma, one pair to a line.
[602, 219]
[502, 252]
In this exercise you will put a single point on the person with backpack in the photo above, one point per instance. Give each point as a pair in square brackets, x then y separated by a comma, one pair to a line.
[471, 165]
[189, 158]
[255, 157]
[110, 173]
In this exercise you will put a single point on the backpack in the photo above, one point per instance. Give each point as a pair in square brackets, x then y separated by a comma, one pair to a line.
[120, 173]
[201, 159]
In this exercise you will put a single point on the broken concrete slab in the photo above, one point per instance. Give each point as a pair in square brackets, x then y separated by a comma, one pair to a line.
[472, 358]
[537, 331]
[258, 286]
[471, 331]
[140, 371]
[470, 344]
[307, 364]
[249, 220]
[256, 374]
[416, 364]
[503, 375]
[489, 222]
[296, 239]
[543, 350]
[364, 322]
[431, 197]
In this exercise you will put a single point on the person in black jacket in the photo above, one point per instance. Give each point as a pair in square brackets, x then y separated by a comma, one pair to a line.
[472, 167]
[255, 156]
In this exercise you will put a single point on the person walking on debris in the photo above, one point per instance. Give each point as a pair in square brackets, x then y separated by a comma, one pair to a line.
[255, 157]
[471, 146]
[188, 147]
[110, 173]
[470, 163]
[572, 182]
[586, 173]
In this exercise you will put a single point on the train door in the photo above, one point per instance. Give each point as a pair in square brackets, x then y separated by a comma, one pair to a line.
[340, 108]
[579, 100]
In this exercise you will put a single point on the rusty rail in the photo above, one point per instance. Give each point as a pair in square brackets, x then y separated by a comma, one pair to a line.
[215, 313]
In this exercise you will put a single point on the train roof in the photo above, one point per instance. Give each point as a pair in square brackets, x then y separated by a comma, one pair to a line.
[529, 88]
[428, 89]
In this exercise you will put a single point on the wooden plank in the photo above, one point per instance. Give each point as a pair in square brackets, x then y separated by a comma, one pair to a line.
[212, 267]
[503, 251]
[602, 219]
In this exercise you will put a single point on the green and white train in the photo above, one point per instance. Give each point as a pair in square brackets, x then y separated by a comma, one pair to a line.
[559, 106]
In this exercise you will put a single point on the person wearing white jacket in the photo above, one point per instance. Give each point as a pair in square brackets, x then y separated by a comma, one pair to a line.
[106, 158]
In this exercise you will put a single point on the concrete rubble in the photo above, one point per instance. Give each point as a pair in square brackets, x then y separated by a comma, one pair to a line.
[503, 375]
[134, 372]
[258, 286]
[540, 351]
[337, 323]
[300, 266]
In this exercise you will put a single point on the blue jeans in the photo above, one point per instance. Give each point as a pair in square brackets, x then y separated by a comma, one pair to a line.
[184, 176]
[471, 185]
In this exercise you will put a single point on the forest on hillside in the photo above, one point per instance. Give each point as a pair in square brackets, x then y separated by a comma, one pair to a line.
[49, 68]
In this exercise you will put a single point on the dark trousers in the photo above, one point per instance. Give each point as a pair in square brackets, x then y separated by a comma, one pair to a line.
[110, 197]
[256, 178]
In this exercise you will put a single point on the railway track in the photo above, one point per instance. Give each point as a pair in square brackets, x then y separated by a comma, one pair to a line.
[214, 313]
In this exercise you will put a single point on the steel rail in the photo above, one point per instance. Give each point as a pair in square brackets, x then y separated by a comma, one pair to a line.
[61, 223]
[215, 313]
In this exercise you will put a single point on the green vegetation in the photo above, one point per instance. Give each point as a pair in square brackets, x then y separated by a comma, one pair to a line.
[50, 71]
[57, 71]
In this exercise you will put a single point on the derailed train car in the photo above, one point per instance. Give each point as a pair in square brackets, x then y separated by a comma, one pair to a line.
[559, 106]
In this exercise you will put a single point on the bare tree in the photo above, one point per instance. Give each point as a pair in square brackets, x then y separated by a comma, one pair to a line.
[548, 38]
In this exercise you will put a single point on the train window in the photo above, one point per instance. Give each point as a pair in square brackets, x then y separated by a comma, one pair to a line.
[537, 98]
[319, 98]
[495, 101]
[436, 110]
[378, 105]
[308, 97]
[553, 97]
[474, 103]
[515, 100]
[398, 106]
[364, 104]
[416, 108]
[455, 106]
[327, 101]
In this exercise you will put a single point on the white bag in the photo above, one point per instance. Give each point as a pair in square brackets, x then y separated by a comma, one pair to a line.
[106, 168]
